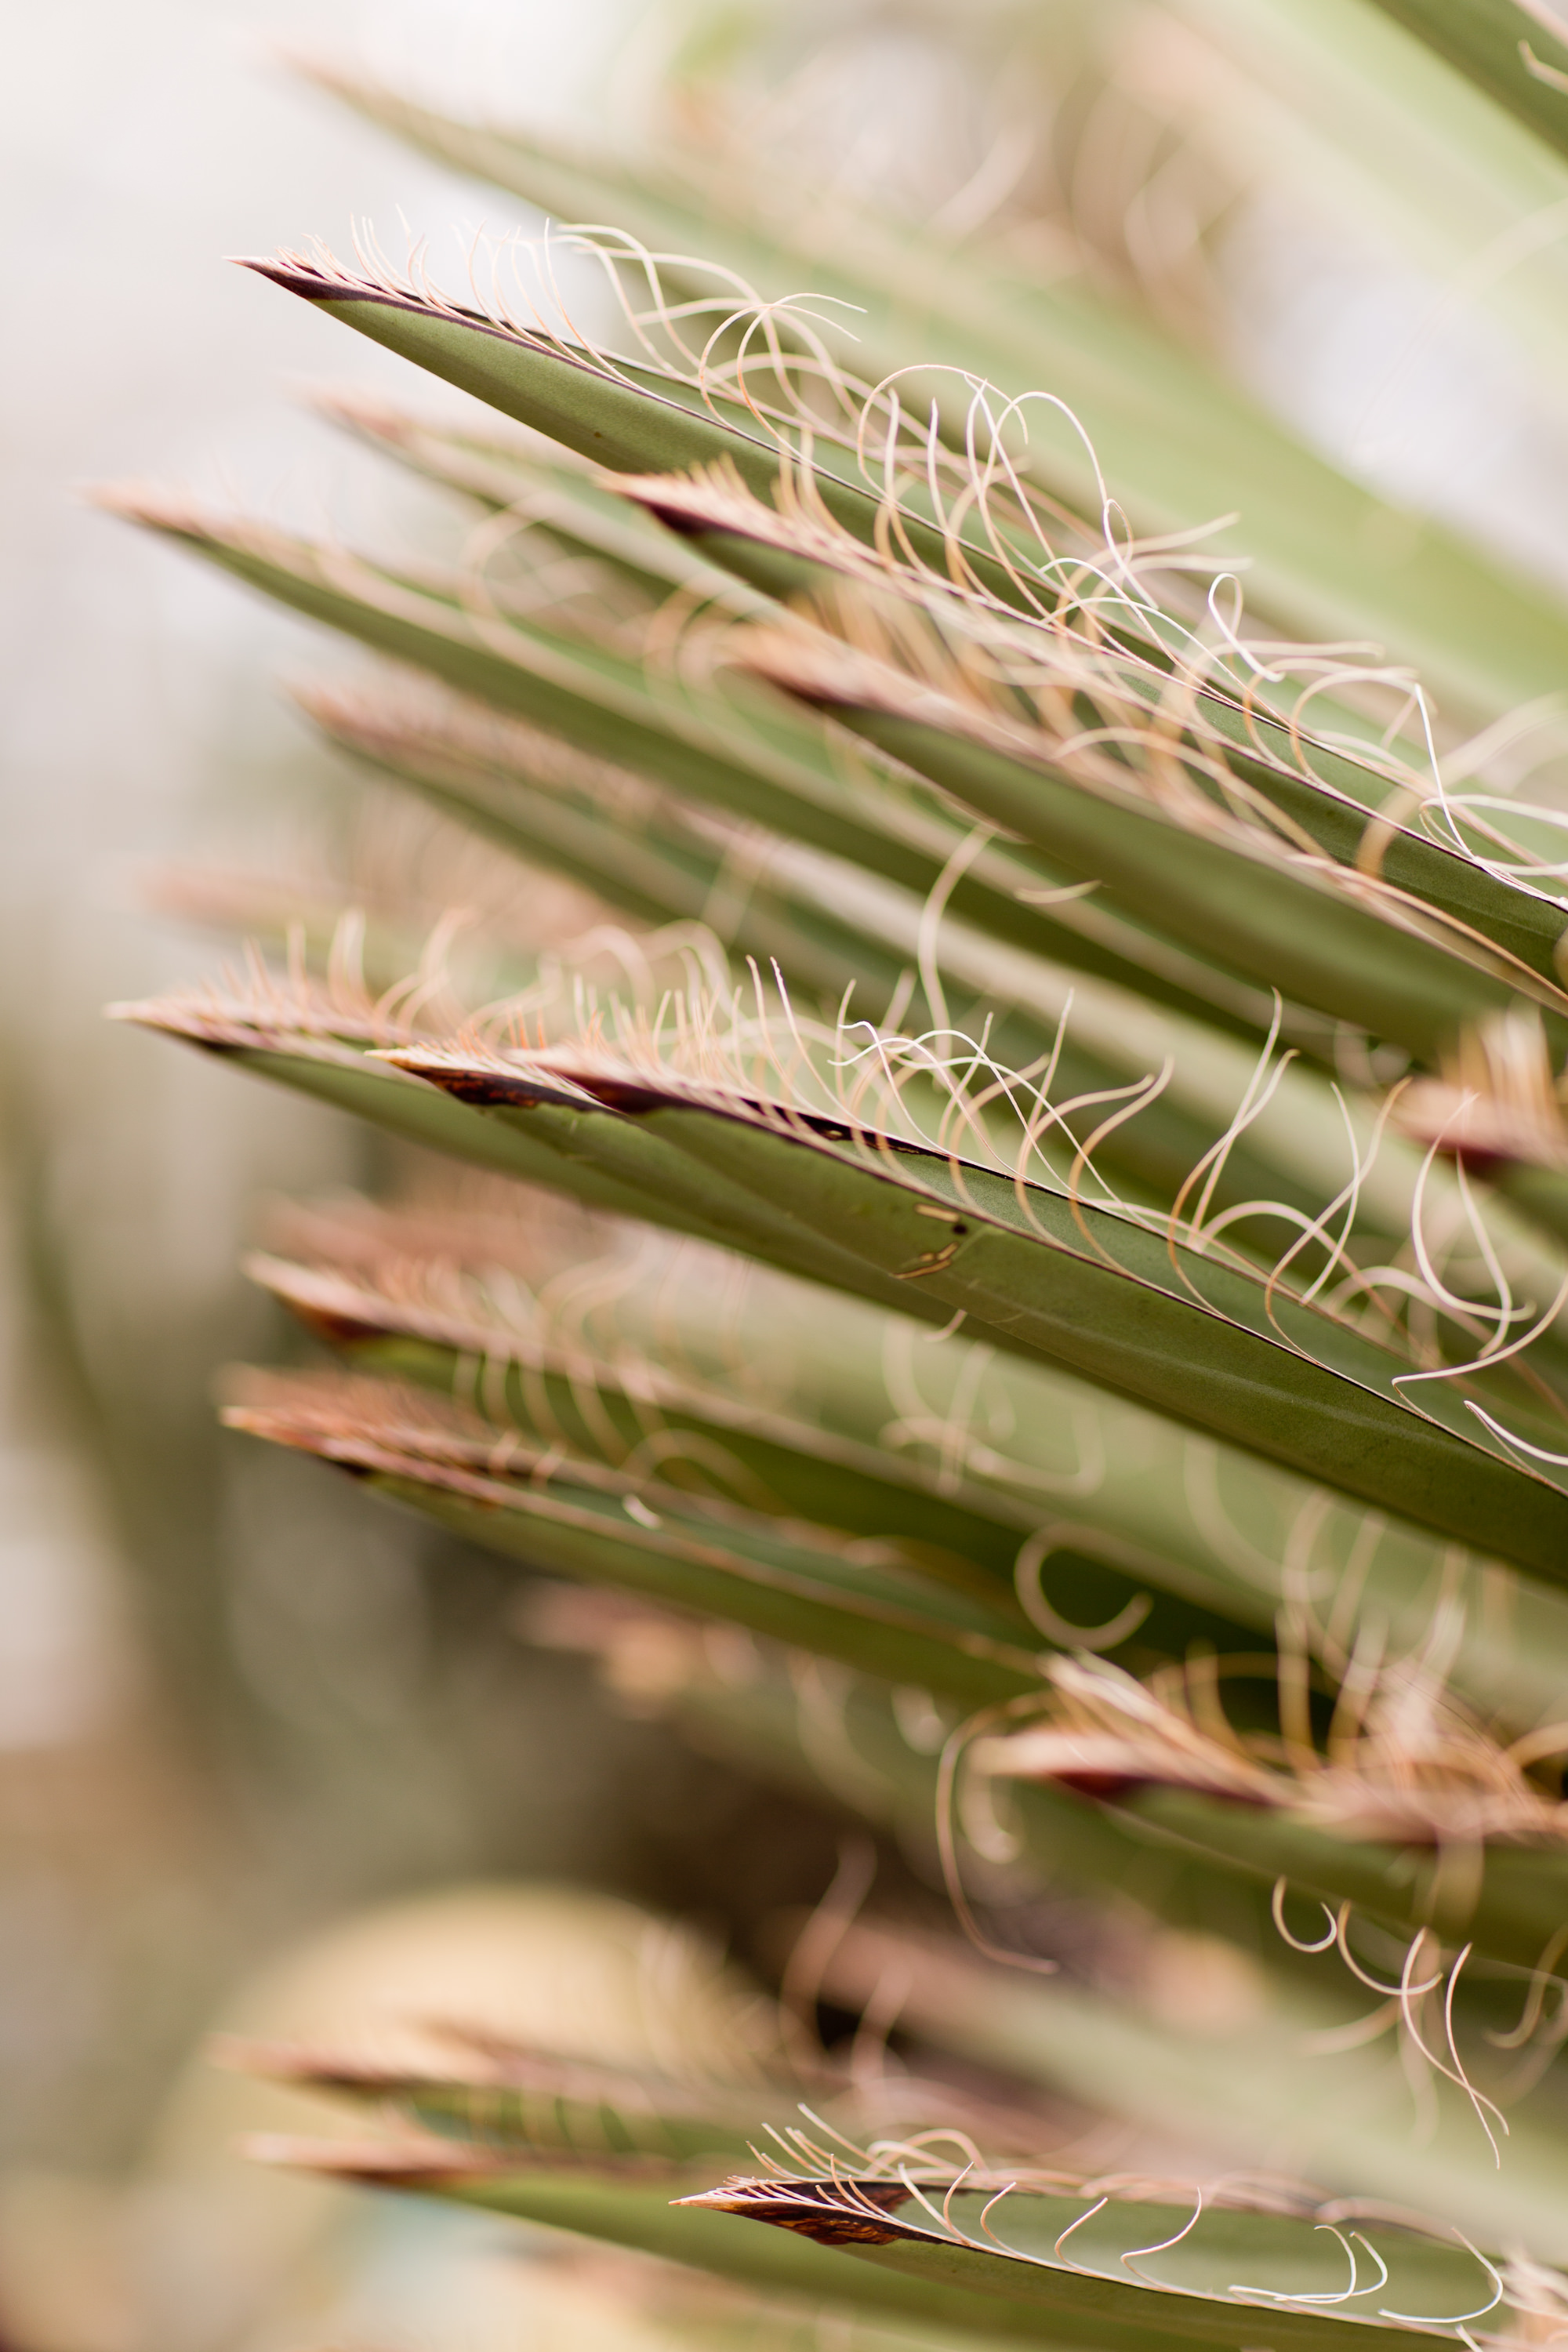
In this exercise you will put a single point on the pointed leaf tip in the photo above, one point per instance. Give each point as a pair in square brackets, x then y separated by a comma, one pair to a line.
[133, 502]
[811, 2208]
[294, 276]
[406, 2162]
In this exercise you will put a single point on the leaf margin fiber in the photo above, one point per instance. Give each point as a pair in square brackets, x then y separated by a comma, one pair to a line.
[579, 399]
[769, 1580]
[1329, 936]
[602, 188]
[785, 1465]
[694, 1167]
[616, 2205]
[331, 1071]
[1421, 1817]
[1348, 807]
[857, 2216]
[1176, 1508]
[871, 1191]
[829, 928]
[877, 820]
[504, 2098]
[501, 2098]
[1493, 1898]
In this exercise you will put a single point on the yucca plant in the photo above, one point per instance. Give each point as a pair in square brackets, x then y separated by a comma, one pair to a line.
[1068, 1357]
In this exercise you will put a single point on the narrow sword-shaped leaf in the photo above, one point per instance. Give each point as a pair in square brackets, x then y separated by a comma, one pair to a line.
[828, 927]
[1518, 56]
[1347, 809]
[874, 2245]
[628, 2204]
[624, 415]
[503, 2097]
[596, 697]
[1096, 1479]
[1506, 1898]
[613, 1166]
[496, 2098]
[762, 763]
[1181, 444]
[1197, 2275]
[334, 1071]
[811, 1586]
[1253, 2084]
[1209, 1344]
[1322, 933]
[567, 505]
[669, 1434]
[828, 932]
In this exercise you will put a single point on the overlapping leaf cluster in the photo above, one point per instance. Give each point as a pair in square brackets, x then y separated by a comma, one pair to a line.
[1091, 1391]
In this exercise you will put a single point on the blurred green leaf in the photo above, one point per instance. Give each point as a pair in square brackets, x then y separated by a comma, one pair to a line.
[1518, 56]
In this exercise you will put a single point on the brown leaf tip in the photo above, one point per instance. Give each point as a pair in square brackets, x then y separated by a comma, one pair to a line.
[296, 275]
[311, 2067]
[831, 2212]
[407, 2161]
[153, 504]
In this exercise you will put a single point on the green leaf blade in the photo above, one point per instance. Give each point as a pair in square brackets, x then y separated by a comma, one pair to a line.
[1513, 53]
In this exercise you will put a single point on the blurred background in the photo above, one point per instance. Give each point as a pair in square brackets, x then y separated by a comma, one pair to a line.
[246, 1719]
[234, 1708]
